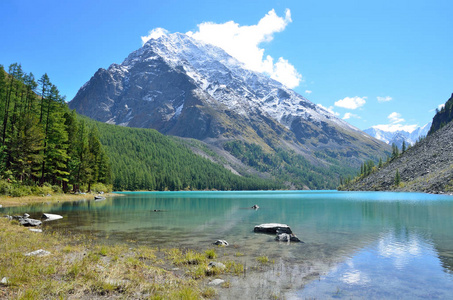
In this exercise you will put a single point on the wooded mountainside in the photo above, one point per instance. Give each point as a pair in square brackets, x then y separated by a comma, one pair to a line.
[144, 159]
[44, 143]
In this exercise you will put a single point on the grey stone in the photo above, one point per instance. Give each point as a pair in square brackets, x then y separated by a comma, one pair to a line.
[29, 222]
[221, 243]
[38, 253]
[255, 206]
[273, 228]
[50, 217]
[217, 265]
[35, 230]
[284, 237]
[216, 282]
[4, 281]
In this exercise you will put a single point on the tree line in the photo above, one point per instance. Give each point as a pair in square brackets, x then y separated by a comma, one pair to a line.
[144, 159]
[42, 142]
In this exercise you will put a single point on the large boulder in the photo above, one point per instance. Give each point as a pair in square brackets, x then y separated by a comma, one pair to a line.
[50, 217]
[272, 228]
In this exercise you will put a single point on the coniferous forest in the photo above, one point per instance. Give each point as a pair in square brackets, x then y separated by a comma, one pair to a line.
[43, 144]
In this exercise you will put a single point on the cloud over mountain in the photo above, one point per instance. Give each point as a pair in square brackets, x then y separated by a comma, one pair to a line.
[245, 44]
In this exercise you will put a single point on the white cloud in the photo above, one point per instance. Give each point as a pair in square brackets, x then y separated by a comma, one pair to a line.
[349, 115]
[243, 43]
[351, 102]
[308, 92]
[329, 109]
[154, 34]
[395, 118]
[384, 99]
[439, 107]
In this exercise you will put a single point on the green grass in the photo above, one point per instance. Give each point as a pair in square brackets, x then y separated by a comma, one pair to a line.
[80, 268]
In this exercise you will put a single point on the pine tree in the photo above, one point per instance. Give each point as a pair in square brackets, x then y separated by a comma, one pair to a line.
[397, 178]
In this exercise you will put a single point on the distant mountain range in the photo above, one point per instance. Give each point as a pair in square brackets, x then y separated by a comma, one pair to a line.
[183, 87]
[397, 137]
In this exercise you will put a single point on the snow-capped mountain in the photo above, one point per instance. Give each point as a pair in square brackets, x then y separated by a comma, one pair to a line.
[398, 136]
[184, 87]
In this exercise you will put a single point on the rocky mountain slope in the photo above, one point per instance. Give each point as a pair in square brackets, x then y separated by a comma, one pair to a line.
[425, 167]
[183, 87]
[397, 137]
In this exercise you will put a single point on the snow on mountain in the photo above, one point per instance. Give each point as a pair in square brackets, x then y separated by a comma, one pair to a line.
[398, 136]
[229, 83]
[184, 87]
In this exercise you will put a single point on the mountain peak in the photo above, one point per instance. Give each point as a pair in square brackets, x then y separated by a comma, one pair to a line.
[185, 87]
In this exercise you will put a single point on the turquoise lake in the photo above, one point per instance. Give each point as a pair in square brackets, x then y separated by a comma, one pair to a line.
[357, 245]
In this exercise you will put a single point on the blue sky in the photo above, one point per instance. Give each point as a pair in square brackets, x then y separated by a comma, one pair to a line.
[371, 62]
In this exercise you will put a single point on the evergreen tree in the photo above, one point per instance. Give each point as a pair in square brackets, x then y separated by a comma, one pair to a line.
[397, 178]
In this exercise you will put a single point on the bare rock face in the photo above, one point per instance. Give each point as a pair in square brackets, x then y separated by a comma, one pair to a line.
[425, 167]
[183, 87]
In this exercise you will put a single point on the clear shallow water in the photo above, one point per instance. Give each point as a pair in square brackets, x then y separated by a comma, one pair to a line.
[357, 244]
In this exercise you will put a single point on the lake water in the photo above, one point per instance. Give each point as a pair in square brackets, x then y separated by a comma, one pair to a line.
[357, 245]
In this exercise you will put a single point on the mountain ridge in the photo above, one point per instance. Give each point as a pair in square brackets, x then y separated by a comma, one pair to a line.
[183, 87]
[398, 136]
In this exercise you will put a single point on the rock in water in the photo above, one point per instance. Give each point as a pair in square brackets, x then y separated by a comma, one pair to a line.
[217, 265]
[216, 282]
[221, 243]
[284, 237]
[255, 206]
[273, 228]
[50, 217]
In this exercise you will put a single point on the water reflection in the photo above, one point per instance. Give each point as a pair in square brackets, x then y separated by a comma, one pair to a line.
[374, 243]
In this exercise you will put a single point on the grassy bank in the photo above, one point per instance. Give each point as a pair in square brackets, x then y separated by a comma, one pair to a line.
[9, 201]
[79, 268]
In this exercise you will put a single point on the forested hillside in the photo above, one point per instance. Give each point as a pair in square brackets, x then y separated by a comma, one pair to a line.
[42, 142]
[144, 159]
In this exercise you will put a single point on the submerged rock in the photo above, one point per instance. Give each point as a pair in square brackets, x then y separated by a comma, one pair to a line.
[217, 265]
[50, 217]
[216, 282]
[284, 237]
[221, 243]
[272, 228]
[99, 198]
[255, 206]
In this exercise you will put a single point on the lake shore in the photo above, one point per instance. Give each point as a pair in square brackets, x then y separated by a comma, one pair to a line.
[9, 201]
[76, 266]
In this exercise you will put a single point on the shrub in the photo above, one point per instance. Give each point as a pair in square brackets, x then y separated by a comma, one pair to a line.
[20, 190]
[5, 187]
